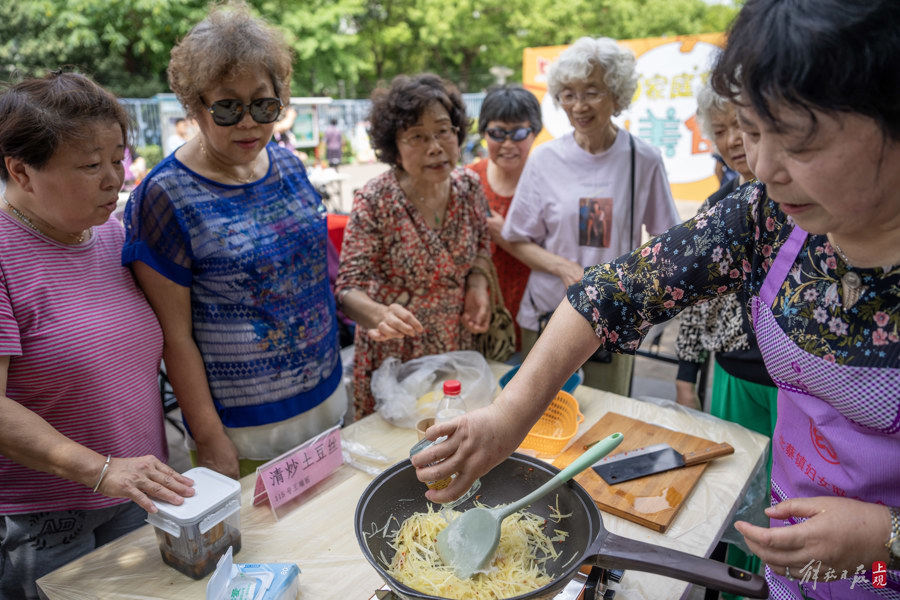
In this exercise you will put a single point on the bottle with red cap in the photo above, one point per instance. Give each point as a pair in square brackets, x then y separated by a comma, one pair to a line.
[451, 405]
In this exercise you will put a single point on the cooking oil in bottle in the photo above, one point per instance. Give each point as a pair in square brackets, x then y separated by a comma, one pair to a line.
[450, 406]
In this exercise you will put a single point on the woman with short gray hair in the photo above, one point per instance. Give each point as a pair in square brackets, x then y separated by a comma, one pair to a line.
[584, 197]
[583, 58]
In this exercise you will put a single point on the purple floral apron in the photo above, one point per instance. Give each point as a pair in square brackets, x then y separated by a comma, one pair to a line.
[838, 434]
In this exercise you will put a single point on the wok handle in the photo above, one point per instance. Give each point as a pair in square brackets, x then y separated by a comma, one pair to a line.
[617, 552]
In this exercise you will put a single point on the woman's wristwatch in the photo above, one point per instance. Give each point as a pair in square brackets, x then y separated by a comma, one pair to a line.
[893, 543]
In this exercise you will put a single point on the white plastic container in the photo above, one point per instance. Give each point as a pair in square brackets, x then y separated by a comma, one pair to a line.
[192, 537]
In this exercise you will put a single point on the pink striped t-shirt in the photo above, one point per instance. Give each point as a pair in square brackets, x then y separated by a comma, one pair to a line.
[84, 348]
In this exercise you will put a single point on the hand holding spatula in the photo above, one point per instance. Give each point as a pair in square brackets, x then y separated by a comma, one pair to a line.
[468, 543]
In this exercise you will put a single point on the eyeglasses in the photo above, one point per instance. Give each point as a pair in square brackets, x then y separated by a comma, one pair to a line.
[443, 135]
[591, 97]
[230, 112]
[498, 134]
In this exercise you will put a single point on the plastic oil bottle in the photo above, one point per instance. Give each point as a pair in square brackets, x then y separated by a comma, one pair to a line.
[450, 406]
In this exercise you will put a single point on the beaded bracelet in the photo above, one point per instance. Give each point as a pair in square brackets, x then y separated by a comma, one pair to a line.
[103, 472]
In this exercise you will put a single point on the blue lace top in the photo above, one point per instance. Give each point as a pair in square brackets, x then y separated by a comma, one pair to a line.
[254, 257]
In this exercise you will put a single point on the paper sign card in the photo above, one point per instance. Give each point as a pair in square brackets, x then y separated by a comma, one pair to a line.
[285, 478]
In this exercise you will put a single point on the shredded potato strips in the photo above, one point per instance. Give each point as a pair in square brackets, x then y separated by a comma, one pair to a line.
[560, 535]
[555, 515]
[517, 567]
[381, 530]
[569, 562]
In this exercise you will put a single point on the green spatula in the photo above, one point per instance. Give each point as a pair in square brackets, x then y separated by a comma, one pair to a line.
[468, 543]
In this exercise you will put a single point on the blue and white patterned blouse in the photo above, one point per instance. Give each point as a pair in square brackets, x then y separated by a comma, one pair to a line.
[254, 257]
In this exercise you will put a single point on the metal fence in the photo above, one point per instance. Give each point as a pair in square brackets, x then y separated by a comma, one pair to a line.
[350, 112]
[145, 115]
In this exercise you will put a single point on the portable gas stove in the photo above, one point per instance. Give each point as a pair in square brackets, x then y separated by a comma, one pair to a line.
[592, 585]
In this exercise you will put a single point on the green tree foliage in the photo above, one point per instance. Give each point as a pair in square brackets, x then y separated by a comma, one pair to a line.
[344, 48]
[124, 44]
[387, 31]
[327, 46]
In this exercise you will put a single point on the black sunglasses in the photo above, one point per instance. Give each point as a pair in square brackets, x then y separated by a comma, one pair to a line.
[230, 112]
[498, 134]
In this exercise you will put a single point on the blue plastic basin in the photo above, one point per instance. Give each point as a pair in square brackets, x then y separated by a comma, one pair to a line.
[569, 386]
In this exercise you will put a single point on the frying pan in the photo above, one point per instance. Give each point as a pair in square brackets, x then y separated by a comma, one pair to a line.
[397, 494]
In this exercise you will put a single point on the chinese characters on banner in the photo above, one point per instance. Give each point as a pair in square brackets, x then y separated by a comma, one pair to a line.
[663, 111]
[285, 478]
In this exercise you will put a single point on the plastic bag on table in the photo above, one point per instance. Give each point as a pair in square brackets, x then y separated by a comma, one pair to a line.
[752, 507]
[756, 497]
[407, 392]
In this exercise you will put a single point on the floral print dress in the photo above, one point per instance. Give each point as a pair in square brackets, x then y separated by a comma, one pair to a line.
[391, 254]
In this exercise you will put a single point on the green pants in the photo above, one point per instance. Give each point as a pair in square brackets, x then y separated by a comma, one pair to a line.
[752, 405]
[755, 407]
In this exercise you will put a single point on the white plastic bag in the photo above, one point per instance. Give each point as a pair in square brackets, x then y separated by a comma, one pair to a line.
[398, 388]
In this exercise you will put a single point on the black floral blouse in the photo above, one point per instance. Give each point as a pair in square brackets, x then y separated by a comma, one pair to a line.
[729, 249]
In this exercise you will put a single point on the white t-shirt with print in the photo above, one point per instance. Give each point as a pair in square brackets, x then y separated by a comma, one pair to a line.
[577, 205]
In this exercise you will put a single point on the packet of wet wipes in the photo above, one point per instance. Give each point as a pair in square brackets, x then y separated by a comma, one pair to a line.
[246, 587]
[252, 581]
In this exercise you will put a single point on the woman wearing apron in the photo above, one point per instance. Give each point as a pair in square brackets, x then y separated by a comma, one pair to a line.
[814, 248]
[837, 435]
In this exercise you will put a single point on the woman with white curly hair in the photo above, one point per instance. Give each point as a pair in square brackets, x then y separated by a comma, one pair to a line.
[584, 197]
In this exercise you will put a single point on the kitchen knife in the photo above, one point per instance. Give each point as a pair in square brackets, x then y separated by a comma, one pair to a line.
[641, 462]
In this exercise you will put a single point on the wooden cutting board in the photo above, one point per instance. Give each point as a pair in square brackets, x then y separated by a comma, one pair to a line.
[652, 501]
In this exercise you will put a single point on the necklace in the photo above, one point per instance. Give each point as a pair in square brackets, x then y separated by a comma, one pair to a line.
[424, 203]
[437, 216]
[434, 211]
[229, 175]
[851, 283]
[77, 239]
